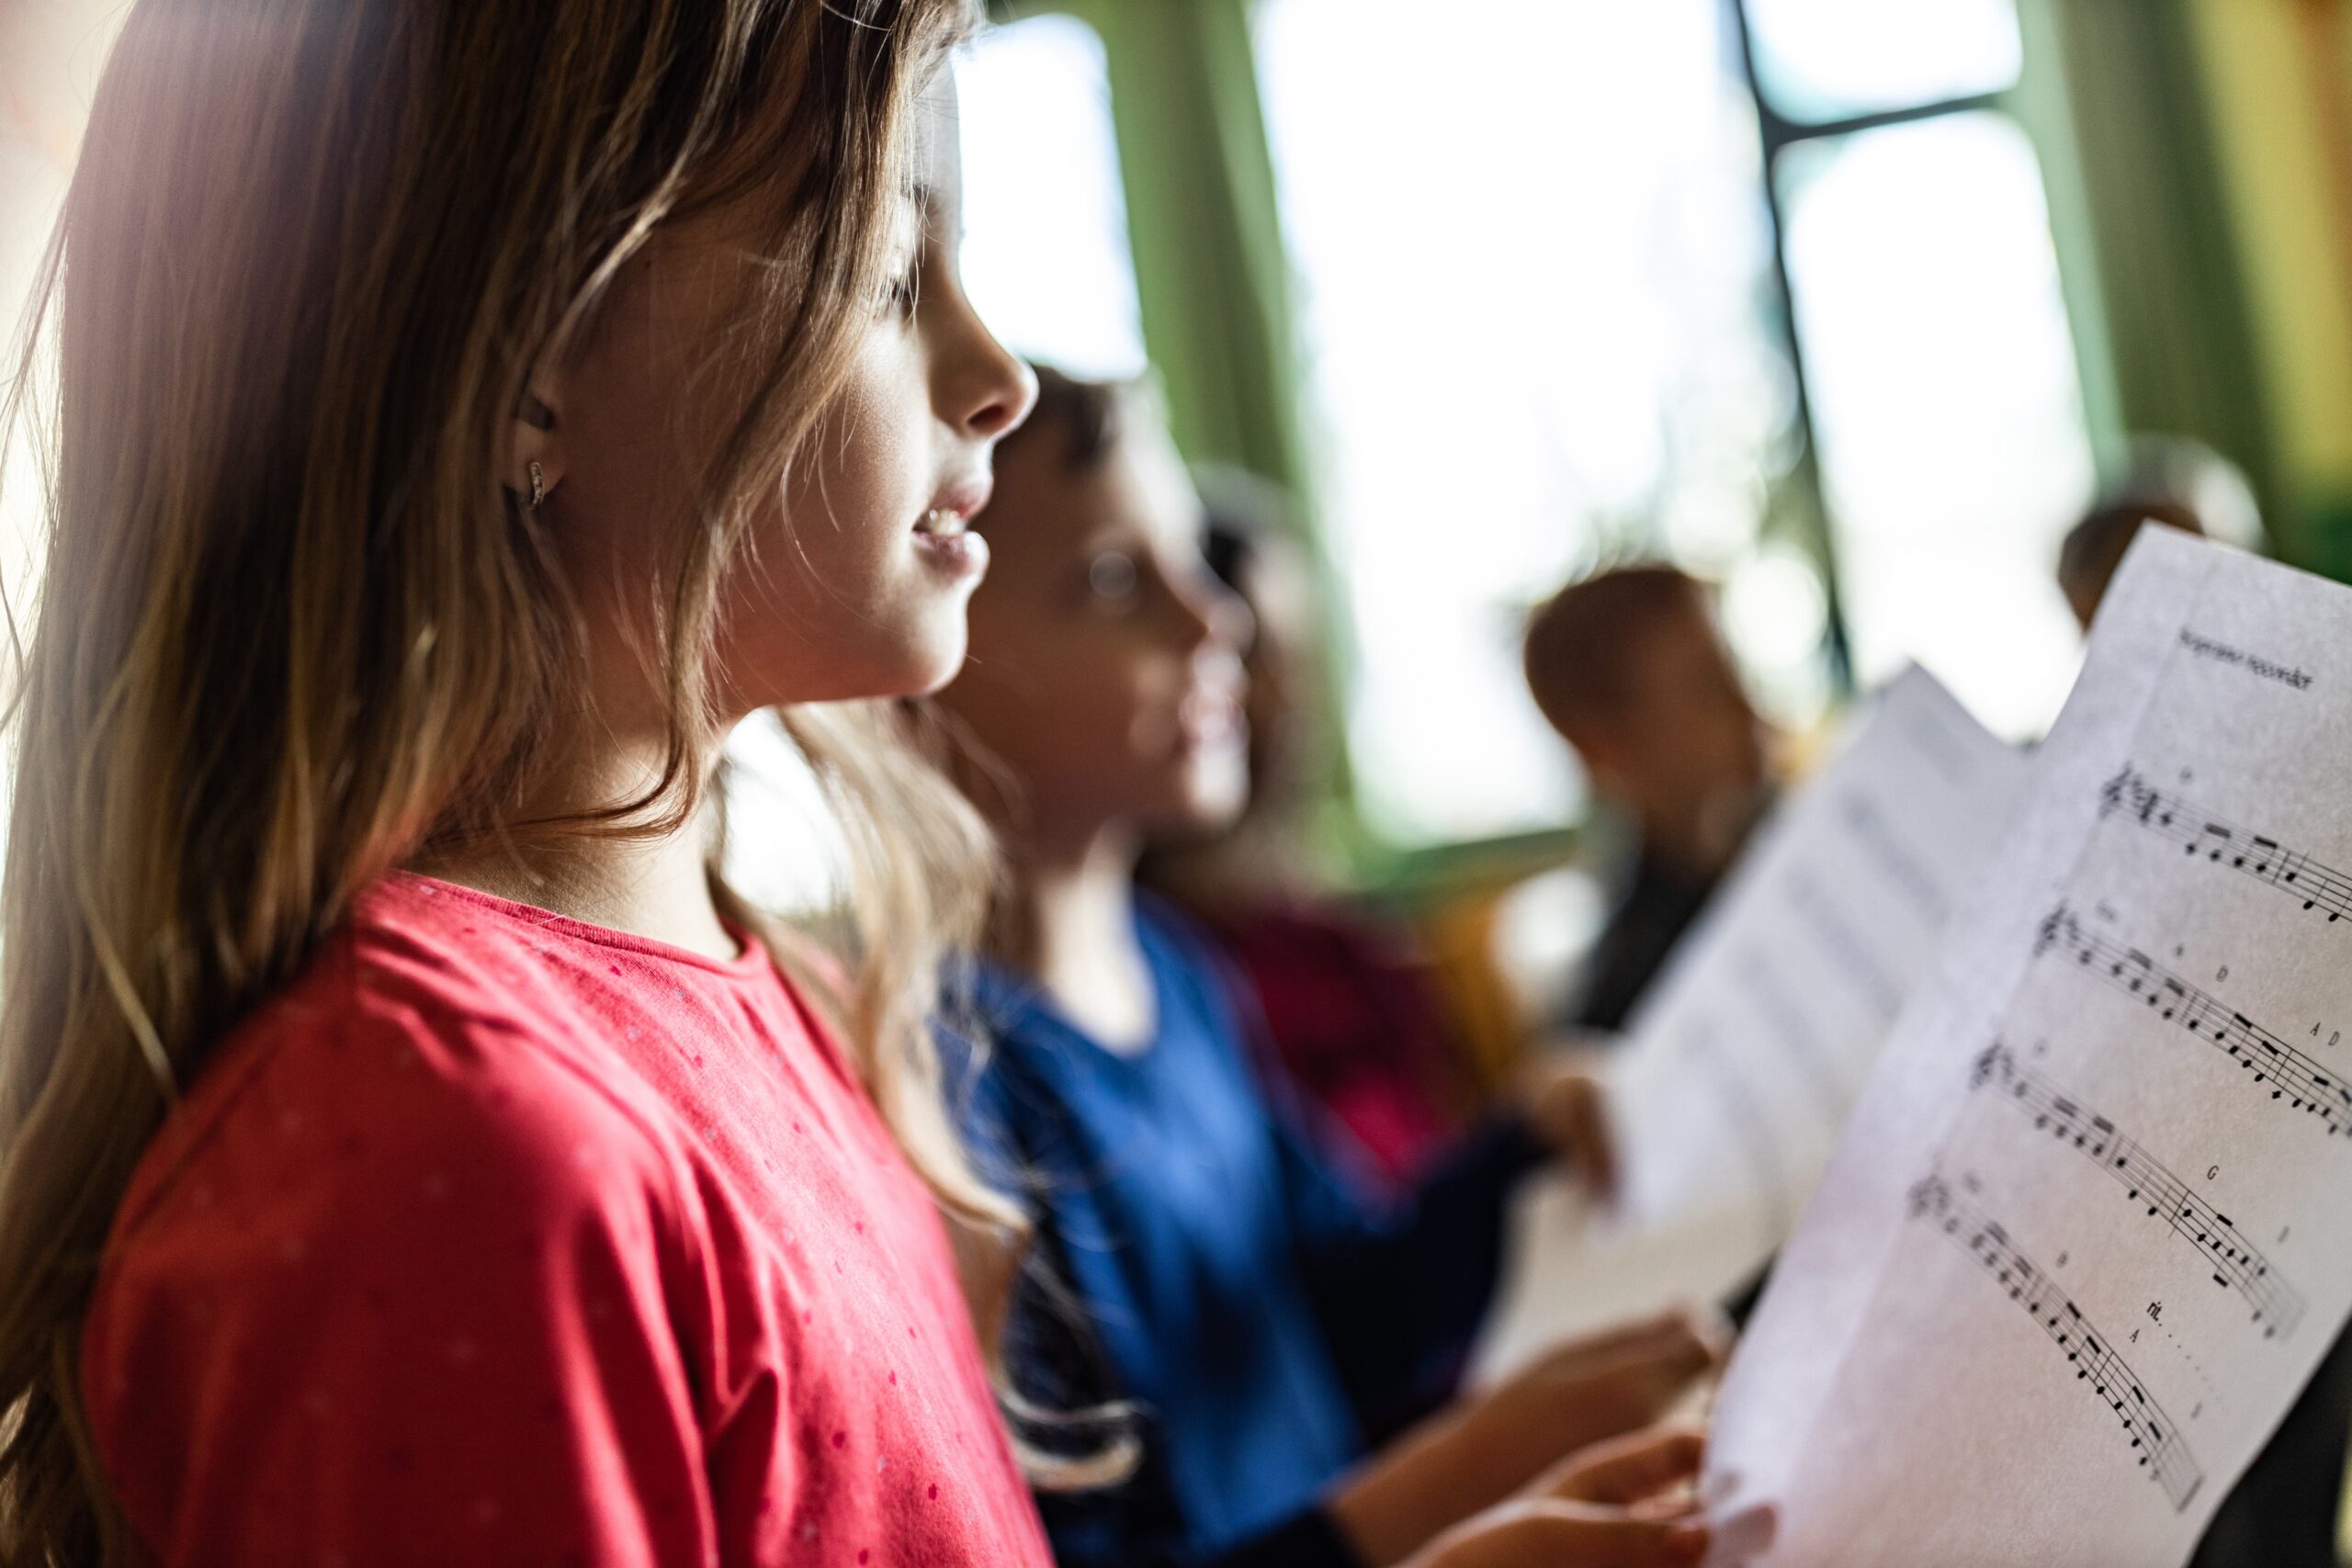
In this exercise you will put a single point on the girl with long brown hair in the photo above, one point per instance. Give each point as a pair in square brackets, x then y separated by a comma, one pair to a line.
[410, 1152]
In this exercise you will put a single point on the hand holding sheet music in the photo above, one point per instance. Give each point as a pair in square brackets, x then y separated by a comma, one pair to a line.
[1743, 1063]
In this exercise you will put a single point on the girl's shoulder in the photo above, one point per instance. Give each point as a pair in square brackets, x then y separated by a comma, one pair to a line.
[416, 1212]
[407, 1062]
[1193, 973]
[1012, 1019]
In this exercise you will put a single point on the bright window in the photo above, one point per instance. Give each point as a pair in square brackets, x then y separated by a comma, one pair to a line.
[1533, 258]
[1945, 402]
[1045, 256]
[1820, 60]
[1543, 328]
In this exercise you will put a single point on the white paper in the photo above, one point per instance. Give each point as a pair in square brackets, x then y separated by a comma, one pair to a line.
[1741, 1069]
[2085, 1238]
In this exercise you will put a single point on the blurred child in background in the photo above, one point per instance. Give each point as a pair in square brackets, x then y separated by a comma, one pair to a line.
[1266, 1327]
[2170, 481]
[1629, 668]
[1349, 1006]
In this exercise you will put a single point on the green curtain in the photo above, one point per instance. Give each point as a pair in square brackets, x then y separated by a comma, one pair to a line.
[2172, 301]
[1211, 275]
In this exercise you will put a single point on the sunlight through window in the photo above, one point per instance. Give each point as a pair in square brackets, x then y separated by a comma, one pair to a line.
[1946, 401]
[1533, 299]
[1045, 256]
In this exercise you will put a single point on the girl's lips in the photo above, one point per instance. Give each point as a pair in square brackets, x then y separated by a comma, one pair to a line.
[944, 532]
[957, 504]
[957, 552]
[1208, 719]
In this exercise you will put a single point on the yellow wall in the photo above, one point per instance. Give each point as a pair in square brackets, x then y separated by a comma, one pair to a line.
[2287, 211]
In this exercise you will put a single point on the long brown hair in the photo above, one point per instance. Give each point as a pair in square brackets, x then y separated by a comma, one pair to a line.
[290, 634]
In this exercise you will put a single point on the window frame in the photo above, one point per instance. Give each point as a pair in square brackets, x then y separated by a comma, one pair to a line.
[1777, 133]
[1411, 872]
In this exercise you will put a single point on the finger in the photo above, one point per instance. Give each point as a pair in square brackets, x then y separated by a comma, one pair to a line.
[1623, 1470]
[1561, 1534]
[1699, 1342]
[1714, 1325]
[1636, 1336]
[1748, 1532]
[1670, 1507]
[1627, 1469]
[1634, 1389]
[1565, 1535]
[1668, 1360]
[1596, 1142]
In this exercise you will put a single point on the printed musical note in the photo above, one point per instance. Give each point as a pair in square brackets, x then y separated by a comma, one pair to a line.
[2155, 1435]
[2202, 833]
[2236, 1264]
[2290, 1075]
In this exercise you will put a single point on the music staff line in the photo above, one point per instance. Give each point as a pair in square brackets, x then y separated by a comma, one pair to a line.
[2236, 1264]
[2152, 1432]
[2200, 831]
[2299, 1079]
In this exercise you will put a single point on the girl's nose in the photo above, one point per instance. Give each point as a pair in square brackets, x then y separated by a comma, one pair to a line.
[1215, 614]
[992, 389]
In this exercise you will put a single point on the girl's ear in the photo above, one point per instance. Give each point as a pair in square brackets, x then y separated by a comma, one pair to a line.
[535, 444]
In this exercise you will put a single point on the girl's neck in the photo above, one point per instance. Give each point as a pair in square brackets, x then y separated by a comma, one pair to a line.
[1073, 928]
[656, 886]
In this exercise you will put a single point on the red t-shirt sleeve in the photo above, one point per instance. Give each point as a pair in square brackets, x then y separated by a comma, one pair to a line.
[420, 1312]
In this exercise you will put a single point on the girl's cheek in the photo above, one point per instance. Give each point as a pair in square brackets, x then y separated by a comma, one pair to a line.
[897, 387]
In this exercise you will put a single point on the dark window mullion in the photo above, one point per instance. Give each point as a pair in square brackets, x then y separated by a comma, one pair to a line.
[1807, 474]
[1780, 131]
[1777, 133]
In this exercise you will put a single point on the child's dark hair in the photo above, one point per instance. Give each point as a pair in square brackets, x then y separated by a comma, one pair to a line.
[1575, 651]
[1087, 417]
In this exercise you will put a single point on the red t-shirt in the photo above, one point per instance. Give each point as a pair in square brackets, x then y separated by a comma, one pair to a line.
[503, 1238]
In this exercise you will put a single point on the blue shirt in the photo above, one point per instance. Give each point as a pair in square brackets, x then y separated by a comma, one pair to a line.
[1202, 1258]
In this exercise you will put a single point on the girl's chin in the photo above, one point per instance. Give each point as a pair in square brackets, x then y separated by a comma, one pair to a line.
[1210, 799]
[934, 638]
[936, 663]
[911, 658]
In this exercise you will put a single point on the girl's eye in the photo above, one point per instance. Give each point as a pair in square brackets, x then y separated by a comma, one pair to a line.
[899, 294]
[1112, 577]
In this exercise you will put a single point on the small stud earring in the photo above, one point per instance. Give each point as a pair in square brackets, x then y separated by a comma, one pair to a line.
[538, 487]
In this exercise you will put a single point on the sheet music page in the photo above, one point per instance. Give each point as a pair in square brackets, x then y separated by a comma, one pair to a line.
[2085, 1238]
[1744, 1060]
